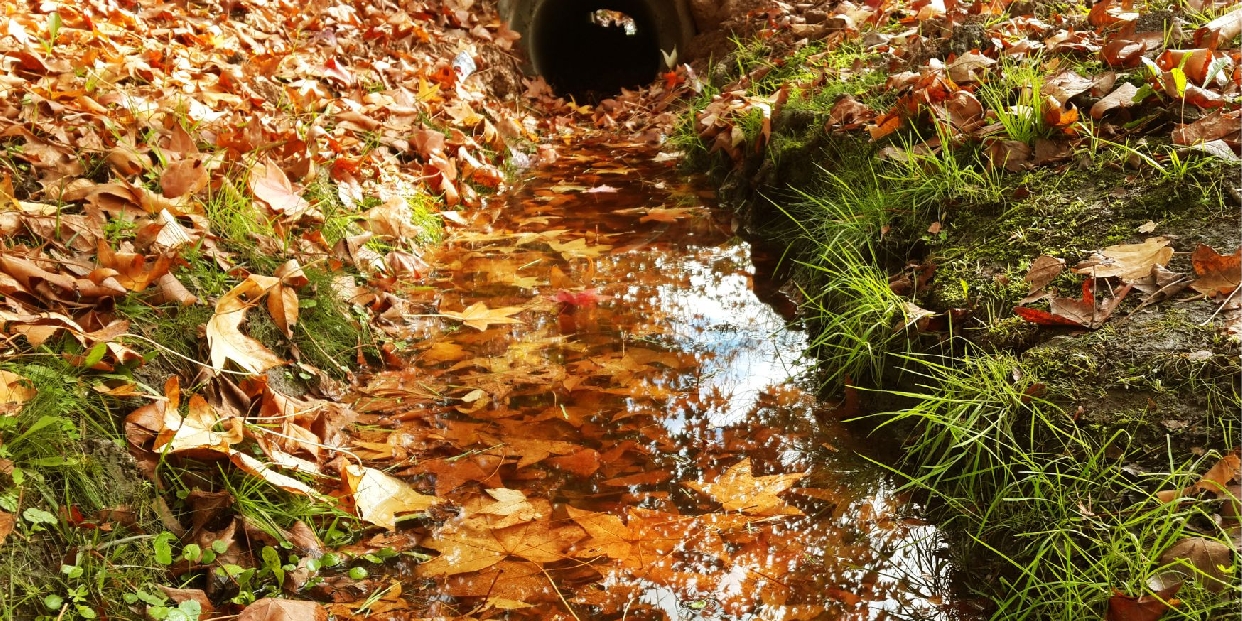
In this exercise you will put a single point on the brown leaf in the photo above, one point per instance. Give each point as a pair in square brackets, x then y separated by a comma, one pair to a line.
[224, 338]
[183, 177]
[738, 490]
[1122, 97]
[1213, 558]
[1012, 155]
[1219, 476]
[15, 391]
[1122, 607]
[1127, 261]
[465, 549]
[1221, 30]
[125, 162]
[1064, 86]
[1193, 62]
[269, 184]
[969, 67]
[270, 609]
[204, 433]
[965, 111]
[1043, 270]
[1217, 273]
[7, 523]
[282, 304]
[131, 269]
[173, 292]
[1215, 125]
[479, 316]
[848, 113]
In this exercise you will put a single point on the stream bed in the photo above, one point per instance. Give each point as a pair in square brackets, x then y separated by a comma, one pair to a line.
[618, 428]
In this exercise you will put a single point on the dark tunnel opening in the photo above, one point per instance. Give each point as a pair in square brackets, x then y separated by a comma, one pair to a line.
[589, 58]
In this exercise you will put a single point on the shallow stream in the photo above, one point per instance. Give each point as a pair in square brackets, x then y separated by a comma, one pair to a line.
[623, 430]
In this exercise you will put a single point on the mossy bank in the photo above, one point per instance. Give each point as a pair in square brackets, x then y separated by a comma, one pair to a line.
[1041, 448]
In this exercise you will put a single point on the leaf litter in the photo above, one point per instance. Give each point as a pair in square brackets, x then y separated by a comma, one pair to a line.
[64, 265]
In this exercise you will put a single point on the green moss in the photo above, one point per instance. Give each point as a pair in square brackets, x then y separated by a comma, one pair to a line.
[69, 470]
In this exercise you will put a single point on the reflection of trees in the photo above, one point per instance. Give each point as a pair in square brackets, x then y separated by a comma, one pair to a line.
[646, 377]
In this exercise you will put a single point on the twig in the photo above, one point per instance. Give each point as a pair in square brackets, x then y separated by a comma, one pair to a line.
[183, 356]
[1221, 307]
[558, 593]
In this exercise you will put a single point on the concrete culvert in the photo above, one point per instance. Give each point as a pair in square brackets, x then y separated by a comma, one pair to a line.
[591, 49]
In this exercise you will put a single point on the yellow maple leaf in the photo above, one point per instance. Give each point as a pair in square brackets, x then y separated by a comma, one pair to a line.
[479, 316]
[738, 490]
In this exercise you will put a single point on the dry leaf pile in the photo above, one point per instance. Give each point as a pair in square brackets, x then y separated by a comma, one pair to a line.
[938, 54]
[116, 148]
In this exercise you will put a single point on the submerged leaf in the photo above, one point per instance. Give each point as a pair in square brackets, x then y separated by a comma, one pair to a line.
[738, 490]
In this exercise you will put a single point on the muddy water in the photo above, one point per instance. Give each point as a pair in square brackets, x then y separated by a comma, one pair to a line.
[619, 428]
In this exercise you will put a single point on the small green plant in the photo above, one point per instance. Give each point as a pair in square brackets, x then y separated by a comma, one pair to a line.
[1016, 99]
[54, 24]
[925, 176]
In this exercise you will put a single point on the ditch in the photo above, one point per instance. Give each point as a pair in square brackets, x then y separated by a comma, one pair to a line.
[625, 430]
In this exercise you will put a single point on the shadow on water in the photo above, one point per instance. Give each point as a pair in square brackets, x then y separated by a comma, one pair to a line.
[624, 431]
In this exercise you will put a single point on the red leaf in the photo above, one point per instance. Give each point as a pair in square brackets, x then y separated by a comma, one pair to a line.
[1044, 318]
[582, 299]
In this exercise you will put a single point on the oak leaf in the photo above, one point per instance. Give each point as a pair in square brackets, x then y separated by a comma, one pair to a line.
[739, 490]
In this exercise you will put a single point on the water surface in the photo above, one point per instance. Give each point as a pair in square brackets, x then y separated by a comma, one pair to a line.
[613, 431]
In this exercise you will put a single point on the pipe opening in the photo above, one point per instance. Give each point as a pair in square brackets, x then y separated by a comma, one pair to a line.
[591, 49]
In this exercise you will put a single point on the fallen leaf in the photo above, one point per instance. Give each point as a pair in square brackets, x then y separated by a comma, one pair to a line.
[464, 549]
[15, 391]
[1122, 607]
[202, 433]
[738, 490]
[380, 498]
[1220, 30]
[969, 67]
[1215, 125]
[479, 316]
[1127, 261]
[270, 609]
[183, 177]
[1210, 557]
[1218, 274]
[1122, 97]
[269, 184]
[7, 523]
[224, 337]
[1043, 270]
